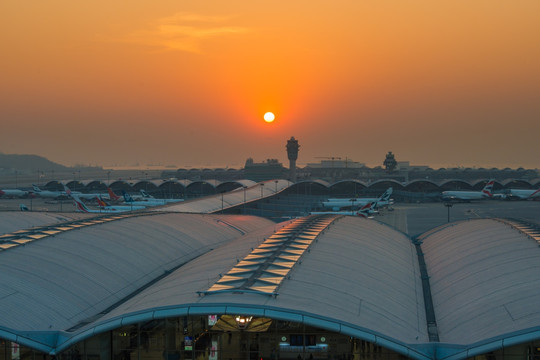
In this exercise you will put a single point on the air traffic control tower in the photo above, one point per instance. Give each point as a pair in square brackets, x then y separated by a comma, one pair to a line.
[292, 154]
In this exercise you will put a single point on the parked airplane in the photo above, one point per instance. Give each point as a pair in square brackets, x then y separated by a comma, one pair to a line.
[456, 195]
[523, 194]
[79, 194]
[47, 193]
[367, 211]
[81, 207]
[147, 196]
[128, 199]
[103, 205]
[13, 193]
[336, 203]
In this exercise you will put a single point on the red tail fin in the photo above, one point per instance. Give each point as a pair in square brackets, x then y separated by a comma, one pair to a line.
[112, 195]
[100, 202]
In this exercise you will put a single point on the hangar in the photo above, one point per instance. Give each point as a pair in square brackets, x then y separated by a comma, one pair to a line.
[189, 286]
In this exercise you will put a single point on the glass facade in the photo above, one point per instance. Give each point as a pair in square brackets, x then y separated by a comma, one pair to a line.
[215, 337]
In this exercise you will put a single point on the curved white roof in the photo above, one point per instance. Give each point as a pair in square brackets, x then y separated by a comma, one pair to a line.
[356, 276]
[59, 281]
[13, 220]
[485, 282]
[214, 203]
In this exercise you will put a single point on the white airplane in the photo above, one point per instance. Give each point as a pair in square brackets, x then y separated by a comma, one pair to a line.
[146, 201]
[336, 203]
[103, 205]
[147, 196]
[47, 193]
[13, 193]
[523, 194]
[81, 195]
[367, 211]
[81, 207]
[486, 193]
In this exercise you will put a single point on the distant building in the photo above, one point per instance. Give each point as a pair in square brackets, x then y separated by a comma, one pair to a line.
[268, 170]
[337, 163]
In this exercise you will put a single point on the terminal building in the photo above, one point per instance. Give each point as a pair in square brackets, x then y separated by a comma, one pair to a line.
[165, 285]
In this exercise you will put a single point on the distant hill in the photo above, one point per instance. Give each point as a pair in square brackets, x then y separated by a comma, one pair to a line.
[28, 163]
[10, 163]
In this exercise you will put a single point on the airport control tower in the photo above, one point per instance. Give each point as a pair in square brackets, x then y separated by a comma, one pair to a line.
[292, 154]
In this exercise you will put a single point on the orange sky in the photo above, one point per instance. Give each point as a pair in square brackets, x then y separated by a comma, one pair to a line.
[186, 83]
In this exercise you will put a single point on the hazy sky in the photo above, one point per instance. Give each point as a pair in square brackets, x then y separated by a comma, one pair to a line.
[186, 83]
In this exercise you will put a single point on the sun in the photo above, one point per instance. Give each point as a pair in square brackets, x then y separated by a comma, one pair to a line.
[269, 117]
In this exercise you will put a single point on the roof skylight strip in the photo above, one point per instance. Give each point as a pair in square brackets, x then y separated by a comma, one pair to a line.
[280, 256]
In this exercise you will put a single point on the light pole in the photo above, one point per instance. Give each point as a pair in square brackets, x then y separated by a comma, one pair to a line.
[245, 187]
[108, 178]
[448, 206]
[275, 191]
[223, 192]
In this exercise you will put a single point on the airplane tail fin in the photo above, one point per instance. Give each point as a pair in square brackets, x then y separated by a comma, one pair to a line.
[386, 195]
[112, 195]
[488, 189]
[127, 197]
[36, 188]
[532, 196]
[100, 202]
[67, 190]
[145, 194]
[79, 205]
[367, 209]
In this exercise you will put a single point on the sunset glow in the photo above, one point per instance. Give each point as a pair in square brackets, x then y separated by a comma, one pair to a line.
[445, 83]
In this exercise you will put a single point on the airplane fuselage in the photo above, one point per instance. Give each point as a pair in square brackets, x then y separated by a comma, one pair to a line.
[464, 195]
[13, 193]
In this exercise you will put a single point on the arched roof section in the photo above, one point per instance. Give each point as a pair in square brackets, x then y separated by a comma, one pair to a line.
[167, 183]
[171, 189]
[310, 187]
[120, 257]
[53, 185]
[119, 185]
[422, 185]
[231, 185]
[209, 182]
[96, 185]
[517, 184]
[12, 221]
[75, 185]
[392, 316]
[384, 184]
[149, 186]
[202, 187]
[346, 188]
[86, 182]
[479, 184]
[455, 184]
[484, 278]
[216, 202]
